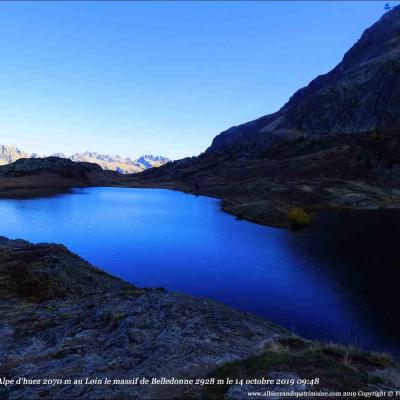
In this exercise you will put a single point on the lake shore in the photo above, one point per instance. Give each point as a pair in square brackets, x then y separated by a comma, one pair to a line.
[239, 203]
[165, 238]
[64, 318]
[330, 173]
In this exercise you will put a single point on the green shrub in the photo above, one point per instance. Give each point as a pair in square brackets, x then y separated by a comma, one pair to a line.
[298, 217]
[375, 135]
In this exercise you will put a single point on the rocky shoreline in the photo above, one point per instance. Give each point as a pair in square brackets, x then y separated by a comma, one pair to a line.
[62, 318]
[335, 172]
[359, 172]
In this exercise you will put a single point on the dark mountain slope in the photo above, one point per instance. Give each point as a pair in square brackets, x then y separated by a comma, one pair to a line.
[332, 172]
[359, 95]
[51, 165]
[336, 143]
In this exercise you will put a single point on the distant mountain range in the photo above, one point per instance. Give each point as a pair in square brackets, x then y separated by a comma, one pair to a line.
[9, 154]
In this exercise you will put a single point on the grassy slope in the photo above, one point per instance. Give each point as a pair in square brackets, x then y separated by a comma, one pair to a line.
[338, 368]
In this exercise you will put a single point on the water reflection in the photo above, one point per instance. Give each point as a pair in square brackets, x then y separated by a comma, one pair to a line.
[333, 282]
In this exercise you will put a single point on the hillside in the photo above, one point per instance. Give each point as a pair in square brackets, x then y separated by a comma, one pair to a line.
[29, 177]
[335, 143]
[361, 94]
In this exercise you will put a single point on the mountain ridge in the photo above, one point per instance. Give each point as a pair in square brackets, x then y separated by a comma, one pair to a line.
[9, 154]
[359, 95]
[334, 144]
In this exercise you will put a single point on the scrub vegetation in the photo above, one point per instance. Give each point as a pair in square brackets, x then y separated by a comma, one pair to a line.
[338, 367]
[298, 217]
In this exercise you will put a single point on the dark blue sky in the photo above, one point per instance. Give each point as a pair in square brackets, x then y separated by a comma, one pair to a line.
[159, 77]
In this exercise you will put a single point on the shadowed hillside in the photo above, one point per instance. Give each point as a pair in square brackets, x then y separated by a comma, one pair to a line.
[28, 177]
[335, 143]
[361, 94]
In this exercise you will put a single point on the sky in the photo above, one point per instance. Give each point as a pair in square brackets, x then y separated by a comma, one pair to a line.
[131, 78]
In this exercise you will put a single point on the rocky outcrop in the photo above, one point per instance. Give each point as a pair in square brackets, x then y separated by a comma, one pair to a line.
[62, 318]
[361, 94]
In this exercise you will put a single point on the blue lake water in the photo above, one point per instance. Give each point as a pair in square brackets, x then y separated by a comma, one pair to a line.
[337, 281]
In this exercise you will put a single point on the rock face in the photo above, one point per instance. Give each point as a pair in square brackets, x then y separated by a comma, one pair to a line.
[361, 94]
[48, 271]
[9, 154]
[63, 318]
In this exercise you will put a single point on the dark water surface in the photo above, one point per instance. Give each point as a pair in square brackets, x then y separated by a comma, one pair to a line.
[337, 281]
